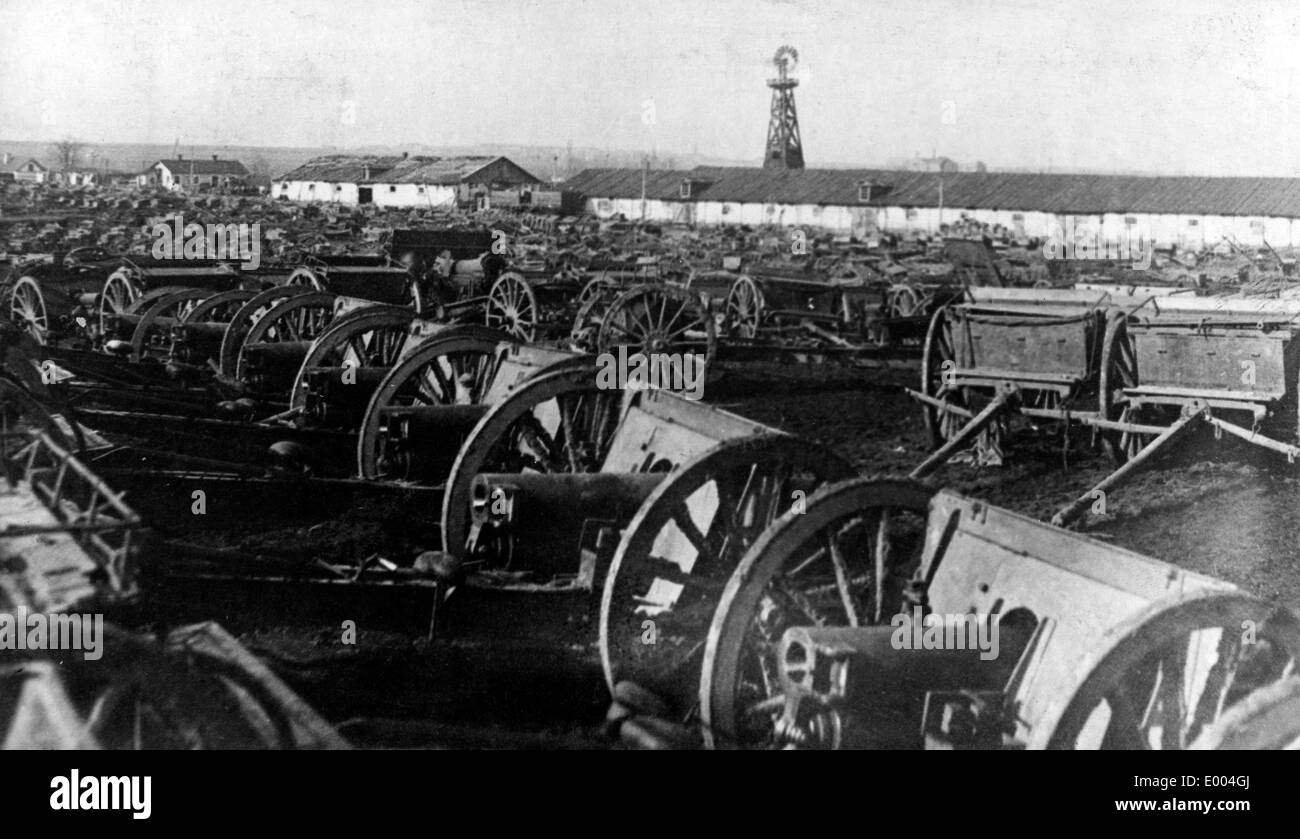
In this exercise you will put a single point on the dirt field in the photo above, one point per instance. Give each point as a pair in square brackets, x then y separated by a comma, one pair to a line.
[1219, 509]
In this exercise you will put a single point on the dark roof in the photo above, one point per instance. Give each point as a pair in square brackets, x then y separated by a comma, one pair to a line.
[204, 166]
[417, 169]
[435, 170]
[1050, 193]
[342, 168]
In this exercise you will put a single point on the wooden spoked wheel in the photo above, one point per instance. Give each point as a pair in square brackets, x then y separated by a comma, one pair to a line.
[903, 301]
[593, 304]
[453, 368]
[1118, 371]
[306, 278]
[938, 363]
[296, 320]
[152, 334]
[556, 422]
[372, 337]
[1170, 671]
[244, 319]
[119, 293]
[658, 319]
[687, 538]
[27, 309]
[844, 561]
[512, 307]
[218, 308]
[743, 313]
[1269, 718]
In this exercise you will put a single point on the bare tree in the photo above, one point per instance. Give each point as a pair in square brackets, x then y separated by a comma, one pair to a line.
[65, 152]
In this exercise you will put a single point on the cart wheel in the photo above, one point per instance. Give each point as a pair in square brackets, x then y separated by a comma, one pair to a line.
[902, 301]
[652, 319]
[189, 699]
[219, 308]
[675, 556]
[1170, 671]
[743, 312]
[454, 367]
[299, 319]
[306, 278]
[937, 360]
[372, 336]
[152, 338]
[119, 293]
[1118, 371]
[27, 309]
[242, 321]
[845, 561]
[598, 287]
[558, 421]
[512, 307]
[1269, 718]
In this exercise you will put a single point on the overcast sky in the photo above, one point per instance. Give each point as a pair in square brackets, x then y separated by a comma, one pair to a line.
[1178, 87]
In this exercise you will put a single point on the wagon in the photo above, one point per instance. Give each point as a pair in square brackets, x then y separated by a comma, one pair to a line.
[1042, 353]
[1229, 361]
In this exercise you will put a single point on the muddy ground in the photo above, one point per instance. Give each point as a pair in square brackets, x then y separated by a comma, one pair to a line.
[1216, 508]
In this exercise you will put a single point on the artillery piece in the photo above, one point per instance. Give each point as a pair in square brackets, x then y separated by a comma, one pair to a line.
[1097, 647]
[644, 496]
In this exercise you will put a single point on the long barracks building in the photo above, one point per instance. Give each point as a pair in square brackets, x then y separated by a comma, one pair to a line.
[1190, 212]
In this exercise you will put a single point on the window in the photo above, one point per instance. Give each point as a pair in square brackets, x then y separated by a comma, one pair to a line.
[1130, 220]
[284, 185]
[1017, 216]
[912, 213]
[392, 189]
[1191, 222]
[604, 205]
[338, 187]
[685, 191]
[420, 190]
[311, 187]
[1257, 225]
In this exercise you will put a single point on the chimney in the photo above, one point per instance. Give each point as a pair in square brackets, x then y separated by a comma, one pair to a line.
[180, 157]
[214, 157]
[404, 154]
[365, 172]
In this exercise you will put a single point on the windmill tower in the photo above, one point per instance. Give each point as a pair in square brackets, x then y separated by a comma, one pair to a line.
[784, 147]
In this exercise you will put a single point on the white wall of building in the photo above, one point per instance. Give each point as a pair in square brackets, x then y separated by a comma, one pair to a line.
[382, 195]
[414, 195]
[324, 192]
[1183, 231]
